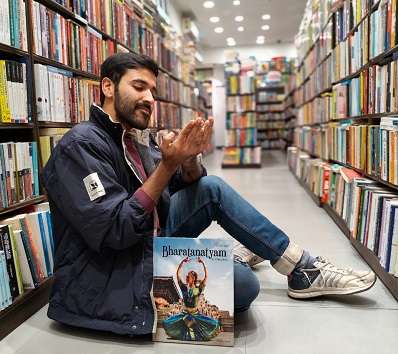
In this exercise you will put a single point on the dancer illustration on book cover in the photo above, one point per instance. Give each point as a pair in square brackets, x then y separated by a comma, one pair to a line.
[190, 324]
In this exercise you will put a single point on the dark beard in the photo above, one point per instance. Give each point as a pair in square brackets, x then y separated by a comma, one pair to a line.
[127, 113]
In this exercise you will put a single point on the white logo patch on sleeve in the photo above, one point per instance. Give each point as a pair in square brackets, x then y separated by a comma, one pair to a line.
[94, 187]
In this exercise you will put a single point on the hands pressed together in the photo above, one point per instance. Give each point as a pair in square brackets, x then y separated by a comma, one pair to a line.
[191, 141]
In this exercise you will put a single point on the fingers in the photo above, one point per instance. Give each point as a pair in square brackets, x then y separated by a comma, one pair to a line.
[169, 138]
[187, 130]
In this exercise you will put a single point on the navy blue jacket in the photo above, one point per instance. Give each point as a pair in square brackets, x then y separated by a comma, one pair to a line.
[103, 248]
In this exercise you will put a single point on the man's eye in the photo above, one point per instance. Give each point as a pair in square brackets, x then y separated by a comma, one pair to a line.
[139, 87]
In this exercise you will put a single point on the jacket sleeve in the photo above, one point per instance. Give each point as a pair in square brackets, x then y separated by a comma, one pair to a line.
[177, 183]
[115, 219]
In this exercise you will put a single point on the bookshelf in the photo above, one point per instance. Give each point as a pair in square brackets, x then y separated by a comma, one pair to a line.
[342, 98]
[241, 148]
[156, 39]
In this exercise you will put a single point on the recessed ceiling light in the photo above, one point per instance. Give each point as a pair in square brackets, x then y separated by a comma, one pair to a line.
[239, 18]
[231, 44]
[266, 17]
[265, 27]
[230, 39]
[219, 30]
[236, 2]
[260, 38]
[214, 19]
[241, 28]
[208, 4]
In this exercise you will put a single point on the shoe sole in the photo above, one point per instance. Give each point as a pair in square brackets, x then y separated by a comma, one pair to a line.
[305, 294]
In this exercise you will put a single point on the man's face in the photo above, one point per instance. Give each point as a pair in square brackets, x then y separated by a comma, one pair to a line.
[134, 98]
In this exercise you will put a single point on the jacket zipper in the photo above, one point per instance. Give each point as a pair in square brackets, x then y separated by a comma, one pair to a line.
[143, 249]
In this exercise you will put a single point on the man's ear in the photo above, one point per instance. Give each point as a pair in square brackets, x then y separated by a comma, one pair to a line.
[108, 88]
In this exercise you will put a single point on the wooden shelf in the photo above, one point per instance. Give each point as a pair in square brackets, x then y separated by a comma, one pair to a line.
[369, 257]
[250, 111]
[252, 165]
[23, 307]
[241, 128]
[4, 48]
[278, 111]
[364, 174]
[337, 219]
[240, 94]
[46, 61]
[56, 125]
[16, 125]
[389, 281]
[26, 203]
[269, 102]
[165, 71]
[270, 88]
[242, 146]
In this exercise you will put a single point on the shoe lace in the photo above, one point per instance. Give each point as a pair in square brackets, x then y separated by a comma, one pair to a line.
[327, 265]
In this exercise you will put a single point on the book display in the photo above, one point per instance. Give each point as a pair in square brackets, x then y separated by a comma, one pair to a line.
[346, 132]
[274, 103]
[192, 305]
[241, 147]
[50, 57]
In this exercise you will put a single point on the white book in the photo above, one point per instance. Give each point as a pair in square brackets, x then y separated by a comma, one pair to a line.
[7, 26]
[40, 105]
[23, 261]
[25, 94]
[46, 92]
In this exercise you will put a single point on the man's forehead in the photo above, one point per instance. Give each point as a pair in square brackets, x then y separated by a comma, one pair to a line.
[140, 74]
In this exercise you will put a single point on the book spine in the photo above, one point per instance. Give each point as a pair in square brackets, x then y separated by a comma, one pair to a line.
[5, 239]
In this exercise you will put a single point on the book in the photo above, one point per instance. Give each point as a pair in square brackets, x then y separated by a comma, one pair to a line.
[13, 92]
[6, 246]
[60, 97]
[19, 172]
[241, 155]
[49, 138]
[193, 291]
[67, 42]
[13, 27]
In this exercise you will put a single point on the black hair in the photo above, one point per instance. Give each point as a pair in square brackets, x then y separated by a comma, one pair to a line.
[115, 66]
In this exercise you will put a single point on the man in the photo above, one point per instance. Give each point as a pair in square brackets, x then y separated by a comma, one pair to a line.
[112, 189]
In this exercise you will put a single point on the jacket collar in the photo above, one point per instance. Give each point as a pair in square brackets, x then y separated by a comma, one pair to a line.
[102, 119]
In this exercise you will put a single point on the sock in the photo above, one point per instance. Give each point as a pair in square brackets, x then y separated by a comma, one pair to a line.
[306, 262]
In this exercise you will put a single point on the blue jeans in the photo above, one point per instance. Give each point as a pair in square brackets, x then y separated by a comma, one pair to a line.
[210, 199]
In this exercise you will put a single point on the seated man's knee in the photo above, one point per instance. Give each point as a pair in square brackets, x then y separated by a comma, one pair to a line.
[213, 183]
[246, 286]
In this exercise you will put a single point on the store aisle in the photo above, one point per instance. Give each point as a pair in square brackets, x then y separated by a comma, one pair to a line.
[364, 323]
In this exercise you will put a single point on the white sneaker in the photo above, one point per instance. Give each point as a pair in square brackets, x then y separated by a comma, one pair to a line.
[245, 255]
[327, 279]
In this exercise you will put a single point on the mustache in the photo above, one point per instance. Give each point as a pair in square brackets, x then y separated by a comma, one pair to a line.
[143, 105]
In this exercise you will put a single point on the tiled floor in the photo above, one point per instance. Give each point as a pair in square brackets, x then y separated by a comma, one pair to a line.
[366, 323]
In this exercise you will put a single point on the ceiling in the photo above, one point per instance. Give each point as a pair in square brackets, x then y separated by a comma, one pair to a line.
[285, 19]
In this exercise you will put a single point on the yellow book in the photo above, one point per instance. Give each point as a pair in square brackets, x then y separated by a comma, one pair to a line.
[5, 115]
[45, 149]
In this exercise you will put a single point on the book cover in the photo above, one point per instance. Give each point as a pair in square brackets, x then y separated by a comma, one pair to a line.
[193, 291]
